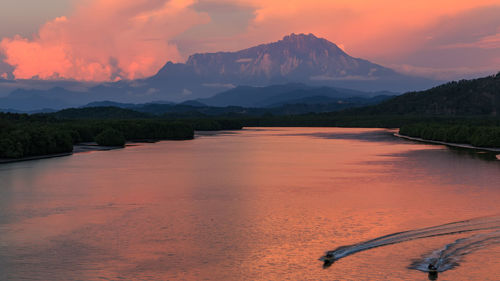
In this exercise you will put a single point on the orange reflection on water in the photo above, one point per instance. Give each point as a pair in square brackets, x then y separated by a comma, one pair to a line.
[255, 204]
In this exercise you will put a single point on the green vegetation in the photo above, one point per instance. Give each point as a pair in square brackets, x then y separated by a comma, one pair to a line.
[31, 140]
[210, 124]
[23, 135]
[110, 137]
[480, 136]
[477, 97]
[132, 130]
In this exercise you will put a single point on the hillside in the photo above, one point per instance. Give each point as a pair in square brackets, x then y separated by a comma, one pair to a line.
[478, 97]
[291, 93]
[105, 112]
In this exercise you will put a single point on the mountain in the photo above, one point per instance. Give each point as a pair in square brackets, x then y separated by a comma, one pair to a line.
[194, 103]
[29, 100]
[110, 104]
[248, 96]
[272, 96]
[105, 112]
[314, 104]
[477, 97]
[297, 58]
[293, 58]
[256, 101]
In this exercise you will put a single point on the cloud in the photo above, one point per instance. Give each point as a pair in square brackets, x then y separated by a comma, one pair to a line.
[445, 73]
[428, 34]
[463, 45]
[103, 40]
[366, 27]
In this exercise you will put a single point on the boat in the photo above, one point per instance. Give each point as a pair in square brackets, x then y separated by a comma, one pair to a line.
[432, 268]
[433, 272]
[328, 260]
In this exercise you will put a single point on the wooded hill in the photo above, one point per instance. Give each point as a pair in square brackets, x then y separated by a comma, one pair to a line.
[478, 97]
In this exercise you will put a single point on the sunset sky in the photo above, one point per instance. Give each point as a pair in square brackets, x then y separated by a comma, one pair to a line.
[103, 40]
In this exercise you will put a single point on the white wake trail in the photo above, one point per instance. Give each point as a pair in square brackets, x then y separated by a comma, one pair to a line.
[450, 256]
[478, 224]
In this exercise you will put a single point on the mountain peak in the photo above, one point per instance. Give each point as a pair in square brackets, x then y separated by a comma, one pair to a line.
[310, 43]
[295, 58]
[300, 57]
[298, 37]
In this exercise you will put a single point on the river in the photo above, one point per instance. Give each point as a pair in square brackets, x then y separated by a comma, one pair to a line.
[255, 204]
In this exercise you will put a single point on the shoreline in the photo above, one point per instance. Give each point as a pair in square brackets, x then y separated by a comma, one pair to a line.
[450, 144]
[30, 158]
[77, 148]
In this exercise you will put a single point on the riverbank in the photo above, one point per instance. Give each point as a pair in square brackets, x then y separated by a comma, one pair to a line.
[89, 147]
[6, 161]
[78, 148]
[456, 145]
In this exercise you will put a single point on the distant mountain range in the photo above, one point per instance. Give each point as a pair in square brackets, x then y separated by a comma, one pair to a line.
[298, 58]
[277, 99]
[111, 110]
[317, 99]
[292, 93]
[466, 98]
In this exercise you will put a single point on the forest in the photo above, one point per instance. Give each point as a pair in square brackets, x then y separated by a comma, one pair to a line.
[23, 135]
[463, 133]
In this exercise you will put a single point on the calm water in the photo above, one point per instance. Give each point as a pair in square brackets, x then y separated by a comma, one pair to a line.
[257, 204]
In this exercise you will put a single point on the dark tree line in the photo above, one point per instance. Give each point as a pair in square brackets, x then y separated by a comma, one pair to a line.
[23, 135]
[480, 136]
[23, 140]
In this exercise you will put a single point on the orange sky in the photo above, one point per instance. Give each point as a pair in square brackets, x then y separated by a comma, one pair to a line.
[103, 40]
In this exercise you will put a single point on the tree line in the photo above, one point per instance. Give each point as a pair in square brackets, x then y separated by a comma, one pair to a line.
[23, 135]
[480, 136]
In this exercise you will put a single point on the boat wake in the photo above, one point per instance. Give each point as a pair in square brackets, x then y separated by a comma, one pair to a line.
[484, 223]
[449, 257]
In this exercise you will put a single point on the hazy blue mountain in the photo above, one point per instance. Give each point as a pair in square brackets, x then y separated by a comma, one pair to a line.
[340, 102]
[248, 96]
[110, 104]
[296, 58]
[42, 110]
[302, 105]
[104, 112]
[194, 103]
[30, 100]
[270, 96]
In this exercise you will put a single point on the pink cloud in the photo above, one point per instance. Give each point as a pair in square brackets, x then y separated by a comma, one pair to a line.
[103, 40]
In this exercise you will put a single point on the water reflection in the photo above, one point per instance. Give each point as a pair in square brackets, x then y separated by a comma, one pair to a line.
[258, 204]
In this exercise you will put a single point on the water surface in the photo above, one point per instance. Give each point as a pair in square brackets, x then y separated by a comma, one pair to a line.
[256, 204]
